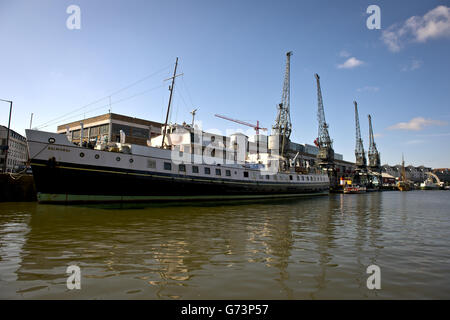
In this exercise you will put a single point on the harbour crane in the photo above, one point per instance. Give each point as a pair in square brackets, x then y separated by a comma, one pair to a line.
[324, 142]
[256, 127]
[374, 155]
[283, 125]
[361, 161]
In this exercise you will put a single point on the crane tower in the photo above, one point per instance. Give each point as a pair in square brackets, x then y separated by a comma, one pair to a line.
[325, 144]
[374, 155]
[283, 125]
[361, 162]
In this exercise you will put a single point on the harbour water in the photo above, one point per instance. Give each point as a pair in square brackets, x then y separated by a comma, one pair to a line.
[310, 248]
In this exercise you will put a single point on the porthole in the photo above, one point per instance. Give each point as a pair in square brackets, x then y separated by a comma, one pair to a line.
[131, 160]
[118, 159]
[81, 154]
[51, 140]
[97, 156]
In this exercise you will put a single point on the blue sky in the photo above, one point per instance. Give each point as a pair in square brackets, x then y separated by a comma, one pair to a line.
[232, 54]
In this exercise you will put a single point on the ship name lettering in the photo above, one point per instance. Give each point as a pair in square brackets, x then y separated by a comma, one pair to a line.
[58, 149]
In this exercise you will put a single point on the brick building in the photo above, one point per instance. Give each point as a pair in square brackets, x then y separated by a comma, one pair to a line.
[109, 125]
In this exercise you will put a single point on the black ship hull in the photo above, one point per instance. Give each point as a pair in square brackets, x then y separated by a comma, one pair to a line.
[70, 183]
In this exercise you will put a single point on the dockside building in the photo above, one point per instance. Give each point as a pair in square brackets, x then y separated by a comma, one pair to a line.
[17, 151]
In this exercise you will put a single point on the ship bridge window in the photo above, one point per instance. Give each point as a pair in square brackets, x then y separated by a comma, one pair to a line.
[139, 132]
[104, 129]
[182, 168]
[207, 170]
[290, 177]
[303, 178]
[228, 173]
[117, 127]
[298, 178]
[245, 174]
[267, 177]
[76, 134]
[218, 172]
[167, 166]
[194, 169]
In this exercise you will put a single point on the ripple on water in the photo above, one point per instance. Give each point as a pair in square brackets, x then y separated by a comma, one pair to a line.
[315, 248]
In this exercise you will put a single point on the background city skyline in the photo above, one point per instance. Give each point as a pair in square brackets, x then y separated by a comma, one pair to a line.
[232, 56]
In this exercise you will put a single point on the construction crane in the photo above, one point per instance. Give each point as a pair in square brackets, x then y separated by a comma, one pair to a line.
[283, 125]
[325, 144]
[361, 162]
[374, 155]
[257, 127]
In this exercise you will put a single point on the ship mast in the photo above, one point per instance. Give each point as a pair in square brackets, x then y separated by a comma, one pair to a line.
[403, 169]
[163, 144]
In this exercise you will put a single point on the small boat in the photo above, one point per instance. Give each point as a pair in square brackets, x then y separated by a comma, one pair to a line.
[432, 182]
[429, 185]
[354, 189]
[403, 186]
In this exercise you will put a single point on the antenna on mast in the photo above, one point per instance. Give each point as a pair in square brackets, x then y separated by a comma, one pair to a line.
[193, 112]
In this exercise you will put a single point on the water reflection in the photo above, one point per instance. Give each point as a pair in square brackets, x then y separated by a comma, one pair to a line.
[292, 249]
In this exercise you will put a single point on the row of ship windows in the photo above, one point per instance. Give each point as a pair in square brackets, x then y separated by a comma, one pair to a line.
[195, 169]
[97, 156]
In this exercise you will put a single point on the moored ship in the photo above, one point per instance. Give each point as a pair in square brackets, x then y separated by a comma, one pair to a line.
[176, 165]
[65, 172]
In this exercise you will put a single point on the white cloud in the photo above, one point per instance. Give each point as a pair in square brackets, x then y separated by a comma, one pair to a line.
[413, 65]
[435, 135]
[350, 63]
[434, 24]
[378, 135]
[368, 88]
[418, 141]
[416, 124]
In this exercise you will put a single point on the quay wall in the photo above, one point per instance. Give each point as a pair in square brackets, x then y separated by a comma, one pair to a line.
[14, 190]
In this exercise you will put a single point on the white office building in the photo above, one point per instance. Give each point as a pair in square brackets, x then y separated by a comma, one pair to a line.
[17, 151]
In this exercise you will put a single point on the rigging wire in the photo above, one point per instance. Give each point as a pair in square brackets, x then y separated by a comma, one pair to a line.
[50, 122]
[109, 104]
[187, 90]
